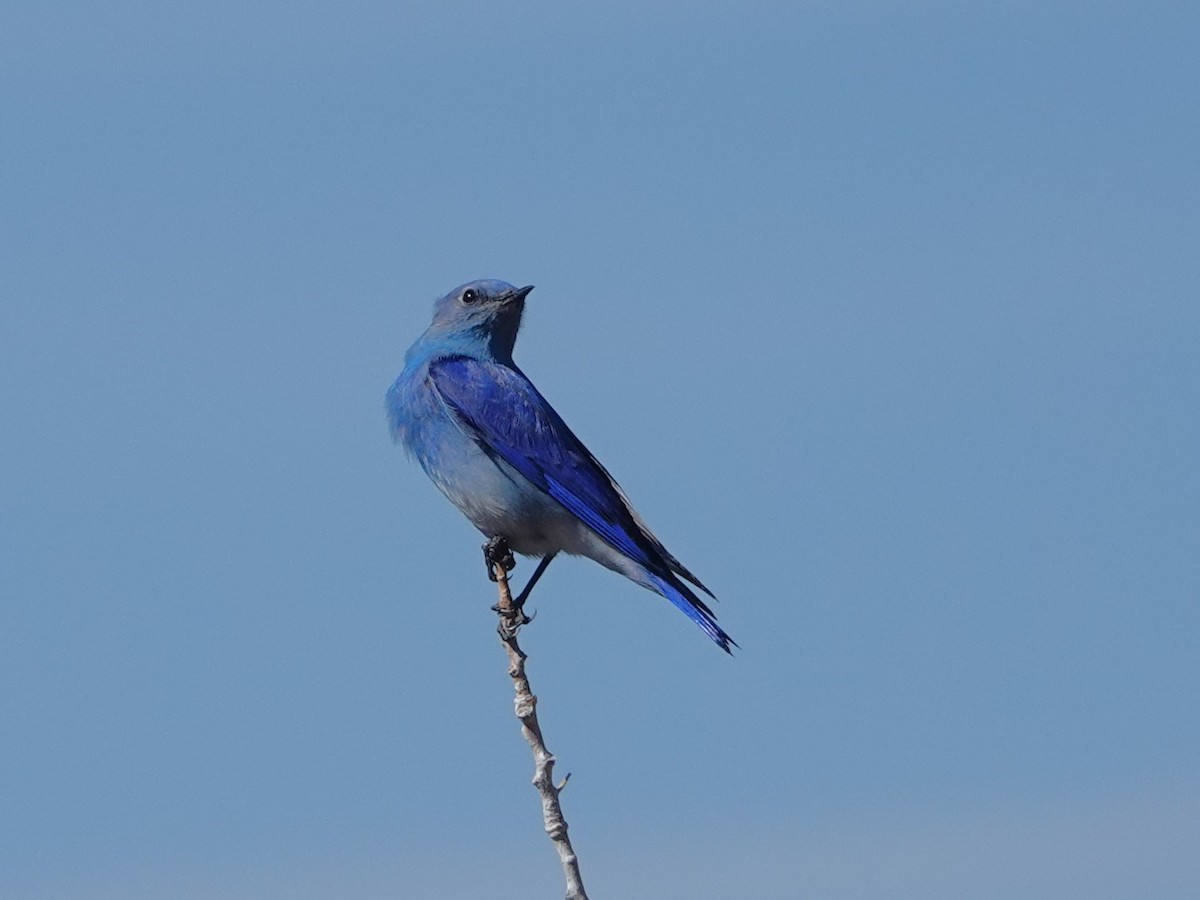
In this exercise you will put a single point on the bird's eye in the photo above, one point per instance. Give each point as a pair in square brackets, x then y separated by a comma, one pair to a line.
[469, 296]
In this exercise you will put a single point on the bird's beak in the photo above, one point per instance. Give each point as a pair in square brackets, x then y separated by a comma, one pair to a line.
[515, 297]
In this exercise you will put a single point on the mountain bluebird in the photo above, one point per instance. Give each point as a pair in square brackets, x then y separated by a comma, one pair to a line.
[493, 445]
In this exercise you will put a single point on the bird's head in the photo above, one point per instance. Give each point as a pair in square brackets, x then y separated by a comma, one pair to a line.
[485, 314]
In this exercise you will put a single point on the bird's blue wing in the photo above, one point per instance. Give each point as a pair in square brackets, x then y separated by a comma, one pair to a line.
[509, 419]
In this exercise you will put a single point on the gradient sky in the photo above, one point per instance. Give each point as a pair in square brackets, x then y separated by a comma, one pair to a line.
[886, 315]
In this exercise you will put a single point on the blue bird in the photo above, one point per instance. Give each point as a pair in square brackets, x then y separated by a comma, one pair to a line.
[493, 445]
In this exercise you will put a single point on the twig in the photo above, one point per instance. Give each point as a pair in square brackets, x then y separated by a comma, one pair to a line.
[525, 705]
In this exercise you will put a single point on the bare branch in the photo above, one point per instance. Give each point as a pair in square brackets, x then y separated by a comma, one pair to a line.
[525, 705]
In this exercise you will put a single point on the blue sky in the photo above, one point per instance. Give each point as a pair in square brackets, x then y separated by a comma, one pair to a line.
[885, 315]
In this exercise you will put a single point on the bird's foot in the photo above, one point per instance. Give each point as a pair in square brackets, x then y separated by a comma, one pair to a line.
[496, 552]
[518, 608]
[511, 620]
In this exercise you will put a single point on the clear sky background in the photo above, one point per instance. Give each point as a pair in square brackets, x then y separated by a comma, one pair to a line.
[886, 315]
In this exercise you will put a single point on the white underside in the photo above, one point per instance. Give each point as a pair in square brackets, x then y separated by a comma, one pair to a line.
[499, 500]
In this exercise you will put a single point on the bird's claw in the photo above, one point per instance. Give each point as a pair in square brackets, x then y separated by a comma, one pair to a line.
[518, 609]
[511, 619]
[496, 552]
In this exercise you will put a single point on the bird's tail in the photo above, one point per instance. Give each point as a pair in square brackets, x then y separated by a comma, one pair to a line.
[693, 607]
